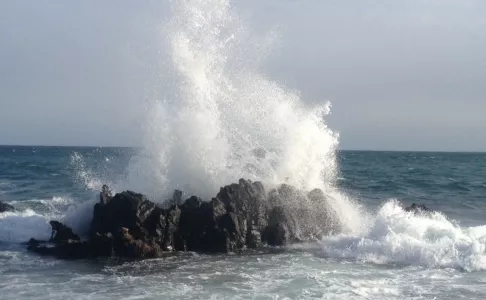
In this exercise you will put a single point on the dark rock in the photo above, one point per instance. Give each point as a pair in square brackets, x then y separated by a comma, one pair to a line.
[278, 233]
[230, 222]
[61, 233]
[241, 216]
[199, 227]
[155, 224]
[254, 239]
[64, 243]
[128, 225]
[33, 243]
[322, 215]
[247, 200]
[41, 248]
[171, 236]
[231, 239]
[288, 217]
[418, 209]
[105, 194]
[295, 216]
[127, 246]
[70, 249]
[102, 245]
[219, 236]
[177, 197]
[4, 207]
[127, 209]
[191, 225]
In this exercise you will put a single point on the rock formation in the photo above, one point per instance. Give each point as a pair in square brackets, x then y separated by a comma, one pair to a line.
[241, 216]
[4, 207]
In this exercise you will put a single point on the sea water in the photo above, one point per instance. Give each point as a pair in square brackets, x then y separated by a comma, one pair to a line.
[219, 118]
[397, 256]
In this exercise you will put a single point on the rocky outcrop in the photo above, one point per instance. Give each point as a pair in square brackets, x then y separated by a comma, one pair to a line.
[246, 206]
[61, 233]
[295, 216]
[4, 207]
[69, 249]
[241, 216]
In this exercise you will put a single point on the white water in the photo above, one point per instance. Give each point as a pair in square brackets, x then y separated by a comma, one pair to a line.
[203, 136]
[398, 237]
[33, 216]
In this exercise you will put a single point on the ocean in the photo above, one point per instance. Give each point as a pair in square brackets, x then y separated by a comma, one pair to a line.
[214, 117]
[393, 255]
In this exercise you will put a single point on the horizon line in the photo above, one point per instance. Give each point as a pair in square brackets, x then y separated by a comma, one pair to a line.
[341, 149]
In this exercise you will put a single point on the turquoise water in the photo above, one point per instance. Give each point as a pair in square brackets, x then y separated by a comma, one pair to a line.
[395, 256]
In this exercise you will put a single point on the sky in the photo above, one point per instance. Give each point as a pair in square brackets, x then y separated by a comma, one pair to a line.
[401, 75]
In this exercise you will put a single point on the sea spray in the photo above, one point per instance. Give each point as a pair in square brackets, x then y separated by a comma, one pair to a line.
[224, 120]
[84, 176]
[205, 135]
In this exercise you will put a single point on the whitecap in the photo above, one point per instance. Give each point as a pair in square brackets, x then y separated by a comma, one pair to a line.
[398, 237]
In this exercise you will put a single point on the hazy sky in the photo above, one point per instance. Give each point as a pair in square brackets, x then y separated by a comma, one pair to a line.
[401, 75]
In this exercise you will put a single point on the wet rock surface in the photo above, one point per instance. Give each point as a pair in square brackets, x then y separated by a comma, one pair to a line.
[418, 209]
[241, 216]
[4, 207]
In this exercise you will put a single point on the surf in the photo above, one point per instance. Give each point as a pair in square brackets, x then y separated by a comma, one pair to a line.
[223, 119]
[397, 237]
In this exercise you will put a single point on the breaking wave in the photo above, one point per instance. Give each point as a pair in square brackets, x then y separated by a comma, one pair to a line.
[395, 236]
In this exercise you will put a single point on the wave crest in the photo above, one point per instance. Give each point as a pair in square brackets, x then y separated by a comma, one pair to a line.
[398, 237]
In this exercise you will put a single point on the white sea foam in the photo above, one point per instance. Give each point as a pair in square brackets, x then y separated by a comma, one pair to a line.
[399, 237]
[19, 227]
[79, 217]
[54, 201]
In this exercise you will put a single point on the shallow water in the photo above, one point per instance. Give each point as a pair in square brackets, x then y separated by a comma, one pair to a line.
[286, 275]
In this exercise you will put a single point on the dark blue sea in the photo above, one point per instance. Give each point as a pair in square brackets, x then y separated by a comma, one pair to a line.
[393, 254]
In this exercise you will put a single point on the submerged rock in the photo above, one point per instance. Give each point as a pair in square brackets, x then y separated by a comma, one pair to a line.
[66, 250]
[418, 209]
[4, 207]
[64, 243]
[128, 225]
